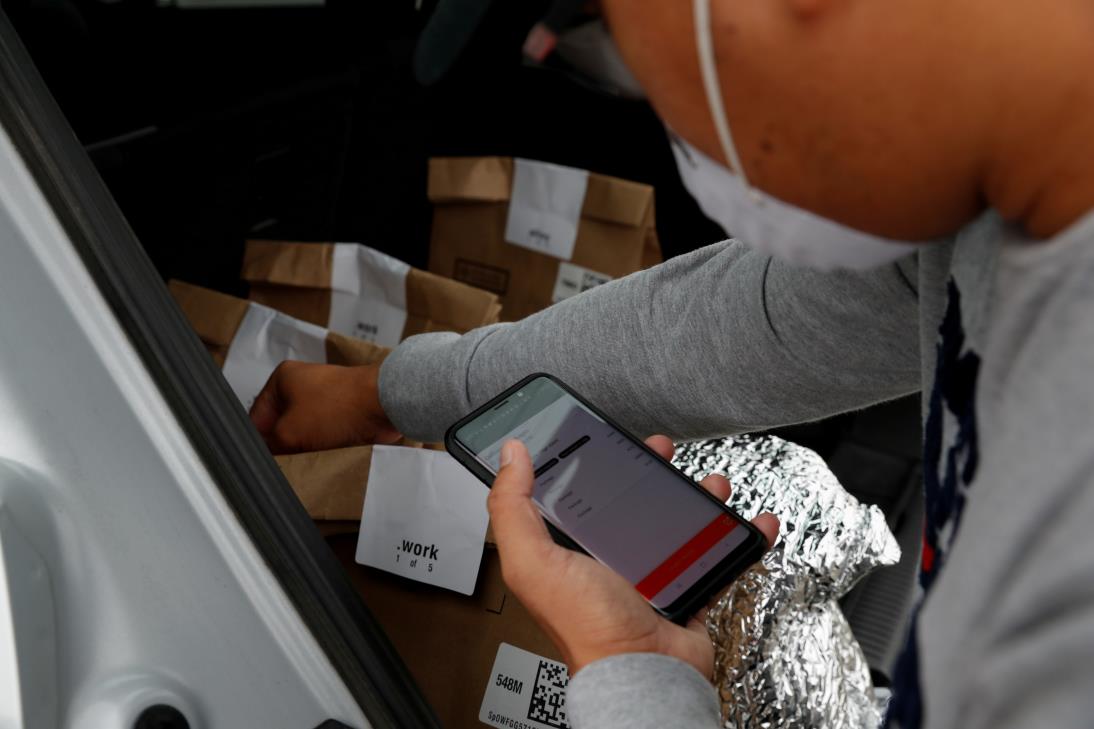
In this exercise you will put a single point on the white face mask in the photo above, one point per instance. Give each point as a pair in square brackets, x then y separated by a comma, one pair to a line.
[755, 218]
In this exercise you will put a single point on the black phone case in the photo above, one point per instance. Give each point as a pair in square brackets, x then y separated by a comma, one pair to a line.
[692, 600]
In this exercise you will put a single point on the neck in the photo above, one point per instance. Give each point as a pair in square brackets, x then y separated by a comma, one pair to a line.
[1041, 169]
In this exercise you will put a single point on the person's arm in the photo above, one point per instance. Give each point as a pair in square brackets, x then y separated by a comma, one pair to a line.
[641, 691]
[718, 341]
[630, 666]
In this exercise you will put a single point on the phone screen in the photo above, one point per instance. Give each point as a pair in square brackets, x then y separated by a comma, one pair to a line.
[630, 510]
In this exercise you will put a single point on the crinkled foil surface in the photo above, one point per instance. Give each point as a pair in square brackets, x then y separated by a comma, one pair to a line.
[785, 656]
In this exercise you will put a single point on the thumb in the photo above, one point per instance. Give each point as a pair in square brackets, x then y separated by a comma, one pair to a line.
[515, 476]
[519, 531]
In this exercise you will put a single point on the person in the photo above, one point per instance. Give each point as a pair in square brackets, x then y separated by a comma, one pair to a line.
[911, 187]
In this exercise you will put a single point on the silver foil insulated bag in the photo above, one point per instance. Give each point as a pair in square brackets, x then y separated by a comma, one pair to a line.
[784, 652]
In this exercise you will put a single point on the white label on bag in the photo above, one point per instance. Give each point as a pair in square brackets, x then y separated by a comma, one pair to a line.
[573, 280]
[525, 690]
[424, 518]
[368, 294]
[265, 339]
[545, 207]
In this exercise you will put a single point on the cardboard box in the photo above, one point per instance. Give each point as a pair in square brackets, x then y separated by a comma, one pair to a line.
[471, 196]
[303, 279]
[448, 641]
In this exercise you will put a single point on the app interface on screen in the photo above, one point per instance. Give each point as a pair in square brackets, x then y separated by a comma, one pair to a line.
[619, 503]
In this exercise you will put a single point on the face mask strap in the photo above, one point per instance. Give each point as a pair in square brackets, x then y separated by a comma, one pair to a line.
[704, 41]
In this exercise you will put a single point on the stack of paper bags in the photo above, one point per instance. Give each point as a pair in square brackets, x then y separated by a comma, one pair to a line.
[536, 233]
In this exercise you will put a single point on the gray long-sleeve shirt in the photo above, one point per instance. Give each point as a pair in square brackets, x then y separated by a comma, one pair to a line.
[998, 331]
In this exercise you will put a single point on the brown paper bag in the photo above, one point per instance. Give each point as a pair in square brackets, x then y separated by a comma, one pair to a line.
[616, 235]
[296, 278]
[331, 484]
[215, 318]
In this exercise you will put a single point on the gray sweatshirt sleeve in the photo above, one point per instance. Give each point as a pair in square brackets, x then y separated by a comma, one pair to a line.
[718, 341]
[641, 691]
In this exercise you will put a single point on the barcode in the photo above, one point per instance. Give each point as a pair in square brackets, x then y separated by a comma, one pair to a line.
[548, 703]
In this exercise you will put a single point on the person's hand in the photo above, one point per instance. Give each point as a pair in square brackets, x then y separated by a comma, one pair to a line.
[587, 610]
[311, 407]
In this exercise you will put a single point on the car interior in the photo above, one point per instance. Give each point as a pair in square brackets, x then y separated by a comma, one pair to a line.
[212, 123]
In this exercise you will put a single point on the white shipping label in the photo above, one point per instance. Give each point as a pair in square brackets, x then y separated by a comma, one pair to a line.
[573, 280]
[525, 690]
[368, 294]
[545, 207]
[424, 518]
[265, 339]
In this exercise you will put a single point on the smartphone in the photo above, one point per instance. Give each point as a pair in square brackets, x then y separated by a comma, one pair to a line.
[603, 491]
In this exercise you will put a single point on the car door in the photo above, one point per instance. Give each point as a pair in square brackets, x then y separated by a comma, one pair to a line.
[155, 568]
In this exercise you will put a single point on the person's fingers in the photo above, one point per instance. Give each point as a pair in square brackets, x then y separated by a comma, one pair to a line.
[274, 414]
[288, 436]
[697, 623]
[519, 531]
[268, 413]
[662, 446]
[718, 485]
[267, 406]
[769, 525]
